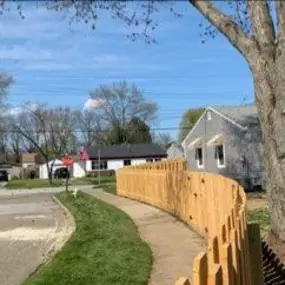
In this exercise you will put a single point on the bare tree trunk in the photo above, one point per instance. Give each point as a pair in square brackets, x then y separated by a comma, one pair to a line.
[49, 170]
[269, 81]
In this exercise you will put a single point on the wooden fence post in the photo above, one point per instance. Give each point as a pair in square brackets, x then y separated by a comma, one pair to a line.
[215, 276]
[182, 281]
[255, 254]
[200, 269]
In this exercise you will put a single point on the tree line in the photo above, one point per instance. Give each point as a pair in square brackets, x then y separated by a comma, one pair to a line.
[120, 114]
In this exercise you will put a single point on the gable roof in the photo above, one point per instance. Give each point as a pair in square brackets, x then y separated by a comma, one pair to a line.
[28, 157]
[175, 146]
[244, 115]
[126, 151]
[241, 116]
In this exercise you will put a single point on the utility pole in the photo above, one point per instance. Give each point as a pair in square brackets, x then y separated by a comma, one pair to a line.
[99, 160]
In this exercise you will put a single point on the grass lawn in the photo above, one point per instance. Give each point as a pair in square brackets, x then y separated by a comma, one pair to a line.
[94, 180]
[104, 250]
[32, 183]
[260, 216]
[108, 183]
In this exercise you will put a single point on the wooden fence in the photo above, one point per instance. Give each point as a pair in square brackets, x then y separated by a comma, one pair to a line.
[213, 206]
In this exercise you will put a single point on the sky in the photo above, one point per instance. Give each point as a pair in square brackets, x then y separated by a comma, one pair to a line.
[57, 63]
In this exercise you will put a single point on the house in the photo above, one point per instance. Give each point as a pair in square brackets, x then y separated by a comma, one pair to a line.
[227, 140]
[174, 151]
[12, 169]
[76, 170]
[28, 160]
[107, 158]
[117, 156]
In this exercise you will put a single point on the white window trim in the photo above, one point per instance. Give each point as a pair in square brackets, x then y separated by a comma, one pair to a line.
[200, 166]
[218, 161]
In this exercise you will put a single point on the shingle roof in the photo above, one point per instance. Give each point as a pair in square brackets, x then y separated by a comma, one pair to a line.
[244, 115]
[126, 151]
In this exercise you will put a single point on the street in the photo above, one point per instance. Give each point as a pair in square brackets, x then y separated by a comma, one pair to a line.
[30, 226]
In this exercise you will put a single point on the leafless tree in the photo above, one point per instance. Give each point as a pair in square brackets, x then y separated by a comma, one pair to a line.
[16, 144]
[164, 139]
[61, 126]
[118, 104]
[90, 127]
[49, 130]
[5, 84]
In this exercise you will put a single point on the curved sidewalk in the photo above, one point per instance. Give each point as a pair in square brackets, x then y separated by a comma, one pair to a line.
[174, 246]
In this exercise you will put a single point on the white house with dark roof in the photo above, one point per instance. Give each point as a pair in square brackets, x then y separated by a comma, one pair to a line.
[227, 140]
[117, 156]
[108, 158]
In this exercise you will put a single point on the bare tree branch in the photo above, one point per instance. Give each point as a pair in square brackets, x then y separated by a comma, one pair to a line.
[5, 84]
[262, 25]
[232, 31]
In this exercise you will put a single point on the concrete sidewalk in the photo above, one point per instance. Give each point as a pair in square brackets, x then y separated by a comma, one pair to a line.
[48, 190]
[173, 244]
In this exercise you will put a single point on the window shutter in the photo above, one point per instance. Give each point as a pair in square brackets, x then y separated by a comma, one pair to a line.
[196, 154]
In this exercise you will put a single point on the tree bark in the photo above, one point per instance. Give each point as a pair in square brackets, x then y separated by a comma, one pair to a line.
[269, 84]
[49, 173]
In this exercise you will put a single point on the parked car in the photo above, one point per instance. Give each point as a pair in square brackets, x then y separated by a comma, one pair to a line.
[61, 172]
[3, 176]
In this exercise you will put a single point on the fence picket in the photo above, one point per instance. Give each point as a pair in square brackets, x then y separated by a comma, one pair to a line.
[211, 204]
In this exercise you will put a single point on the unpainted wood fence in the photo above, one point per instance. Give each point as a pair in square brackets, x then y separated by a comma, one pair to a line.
[212, 205]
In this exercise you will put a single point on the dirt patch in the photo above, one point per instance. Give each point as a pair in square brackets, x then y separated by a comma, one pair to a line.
[256, 201]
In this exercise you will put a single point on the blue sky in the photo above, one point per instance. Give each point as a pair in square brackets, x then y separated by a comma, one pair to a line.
[58, 64]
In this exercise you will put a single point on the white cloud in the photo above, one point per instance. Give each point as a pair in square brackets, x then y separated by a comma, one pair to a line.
[14, 111]
[17, 110]
[93, 103]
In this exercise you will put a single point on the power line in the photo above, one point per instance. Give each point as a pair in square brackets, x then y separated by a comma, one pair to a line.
[92, 131]
[130, 79]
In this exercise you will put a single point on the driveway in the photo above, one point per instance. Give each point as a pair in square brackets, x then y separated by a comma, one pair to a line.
[30, 226]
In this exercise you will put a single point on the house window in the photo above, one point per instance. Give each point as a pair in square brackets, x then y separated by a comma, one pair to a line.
[220, 155]
[127, 162]
[199, 157]
[95, 164]
[158, 159]
[209, 116]
[149, 160]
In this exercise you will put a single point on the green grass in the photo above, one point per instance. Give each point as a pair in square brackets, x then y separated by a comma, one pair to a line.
[94, 180]
[108, 183]
[105, 249]
[32, 183]
[262, 217]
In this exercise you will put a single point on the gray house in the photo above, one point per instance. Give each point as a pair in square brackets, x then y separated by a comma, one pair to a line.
[227, 140]
[174, 152]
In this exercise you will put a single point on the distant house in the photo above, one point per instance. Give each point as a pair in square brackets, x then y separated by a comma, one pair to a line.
[227, 140]
[76, 170]
[12, 169]
[108, 158]
[174, 151]
[28, 159]
[117, 156]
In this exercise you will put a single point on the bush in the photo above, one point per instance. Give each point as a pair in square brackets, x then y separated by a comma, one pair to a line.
[112, 173]
[14, 177]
